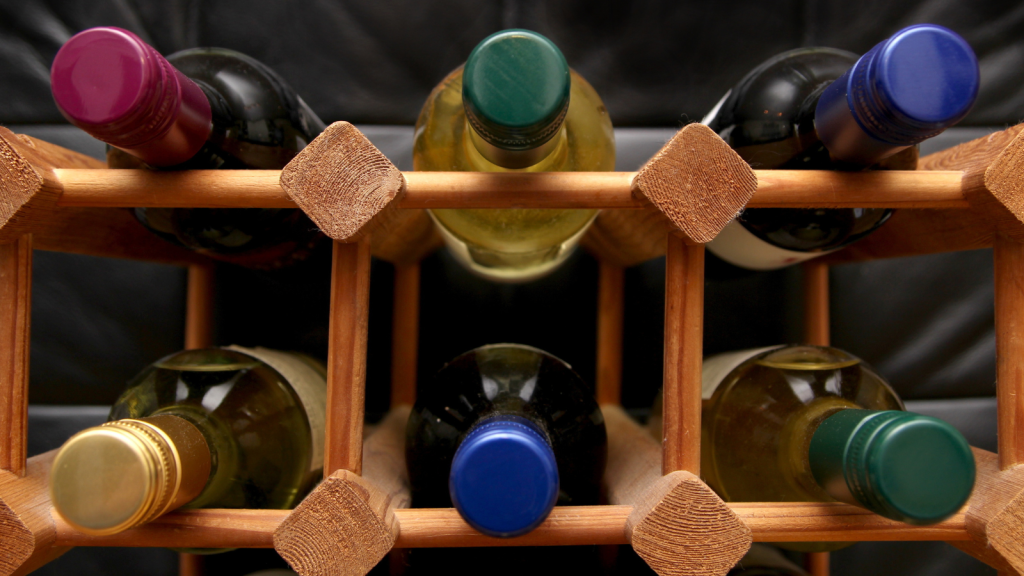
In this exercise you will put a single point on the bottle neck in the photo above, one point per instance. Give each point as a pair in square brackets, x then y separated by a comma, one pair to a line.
[149, 466]
[515, 159]
[900, 465]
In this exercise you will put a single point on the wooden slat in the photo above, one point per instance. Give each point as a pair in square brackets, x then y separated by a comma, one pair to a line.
[199, 307]
[611, 301]
[818, 563]
[684, 333]
[1009, 286]
[346, 356]
[15, 313]
[405, 325]
[816, 303]
[261, 189]
[209, 528]
[836, 522]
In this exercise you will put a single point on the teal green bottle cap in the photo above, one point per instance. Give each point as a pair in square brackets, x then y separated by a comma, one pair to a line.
[904, 466]
[515, 88]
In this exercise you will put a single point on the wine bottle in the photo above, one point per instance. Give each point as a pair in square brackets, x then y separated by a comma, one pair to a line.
[821, 108]
[809, 423]
[202, 108]
[765, 560]
[503, 432]
[514, 106]
[209, 428]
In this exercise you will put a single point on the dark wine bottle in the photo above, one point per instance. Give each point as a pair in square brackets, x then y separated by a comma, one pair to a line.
[503, 433]
[202, 108]
[825, 109]
[765, 560]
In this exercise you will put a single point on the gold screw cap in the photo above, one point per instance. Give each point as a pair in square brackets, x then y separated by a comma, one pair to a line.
[124, 473]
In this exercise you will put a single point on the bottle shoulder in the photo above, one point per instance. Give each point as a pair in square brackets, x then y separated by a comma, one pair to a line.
[442, 140]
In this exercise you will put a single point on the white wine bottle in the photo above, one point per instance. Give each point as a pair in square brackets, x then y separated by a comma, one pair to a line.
[816, 424]
[514, 106]
[210, 428]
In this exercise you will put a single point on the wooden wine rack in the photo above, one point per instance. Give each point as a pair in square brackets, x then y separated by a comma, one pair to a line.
[971, 196]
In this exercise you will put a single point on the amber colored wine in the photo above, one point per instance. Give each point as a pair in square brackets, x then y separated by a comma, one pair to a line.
[808, 423]
[503, 433]
[209, 428]
[514, 106]
[202, 108]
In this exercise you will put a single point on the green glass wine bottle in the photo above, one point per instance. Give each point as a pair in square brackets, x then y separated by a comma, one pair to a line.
[514, 106]
[210, 428]
[816, 424]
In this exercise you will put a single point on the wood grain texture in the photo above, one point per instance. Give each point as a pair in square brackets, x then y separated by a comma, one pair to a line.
[991, 184]
[199, 307]
[816, 303]
[564, 526]
[405, 331]
[628, 237]
[684, 333]
[27, 530]
[173, 189]
[917, 232]
[29, 188]
[191, 564]
[1008, 258]
[203, 528]
[347, 524]
[343, 183]
[995, 512]
[346, 356]
[677, 524]
[408, 237]
[697, 182]
[611, 301]
[15, 316]
[836, 522]
[519, 190]
[876, 189]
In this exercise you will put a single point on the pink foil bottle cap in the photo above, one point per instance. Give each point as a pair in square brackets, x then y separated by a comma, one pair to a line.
[119, 89]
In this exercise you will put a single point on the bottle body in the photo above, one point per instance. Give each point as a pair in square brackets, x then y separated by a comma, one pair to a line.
[505, 385]
[215, 108]
[513, 244]
[260, 415]
[815, 424]
[826, 109]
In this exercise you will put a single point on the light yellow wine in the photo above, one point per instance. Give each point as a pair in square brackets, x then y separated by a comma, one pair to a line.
[522, 244]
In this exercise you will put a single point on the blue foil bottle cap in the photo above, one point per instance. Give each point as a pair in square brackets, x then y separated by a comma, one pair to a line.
[504, 477]
[906, 89]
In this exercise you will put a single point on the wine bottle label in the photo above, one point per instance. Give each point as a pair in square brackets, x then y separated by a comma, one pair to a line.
[716, 368]
[739, 247]
[309, 386]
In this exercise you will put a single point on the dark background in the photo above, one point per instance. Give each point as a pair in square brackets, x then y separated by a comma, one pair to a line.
[925, 323]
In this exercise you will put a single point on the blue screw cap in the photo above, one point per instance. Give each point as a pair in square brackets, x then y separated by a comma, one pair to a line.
[906, 89]
[504, 478]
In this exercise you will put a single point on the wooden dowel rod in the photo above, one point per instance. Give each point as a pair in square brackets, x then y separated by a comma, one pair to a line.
[346, 356]
[199, 307]
[567, 525]
[877, 189]
[818, 563]
[816, 303]
[405, 324]
[837, 522]
[1008, 258]
[611, 301]
[261, 189]
[191, 564]
[15, 313]
[684, 333]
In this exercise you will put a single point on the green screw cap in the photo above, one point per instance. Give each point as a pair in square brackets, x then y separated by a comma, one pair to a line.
[904, 466]
[515, 88]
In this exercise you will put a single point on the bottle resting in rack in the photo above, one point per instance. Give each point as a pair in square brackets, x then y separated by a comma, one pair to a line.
[202, 108]
[514, 106]
[503, 433]
[209, 428]
[809, 423]
[825, 109]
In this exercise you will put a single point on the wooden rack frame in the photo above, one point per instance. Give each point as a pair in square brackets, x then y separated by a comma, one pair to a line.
[51, 198]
